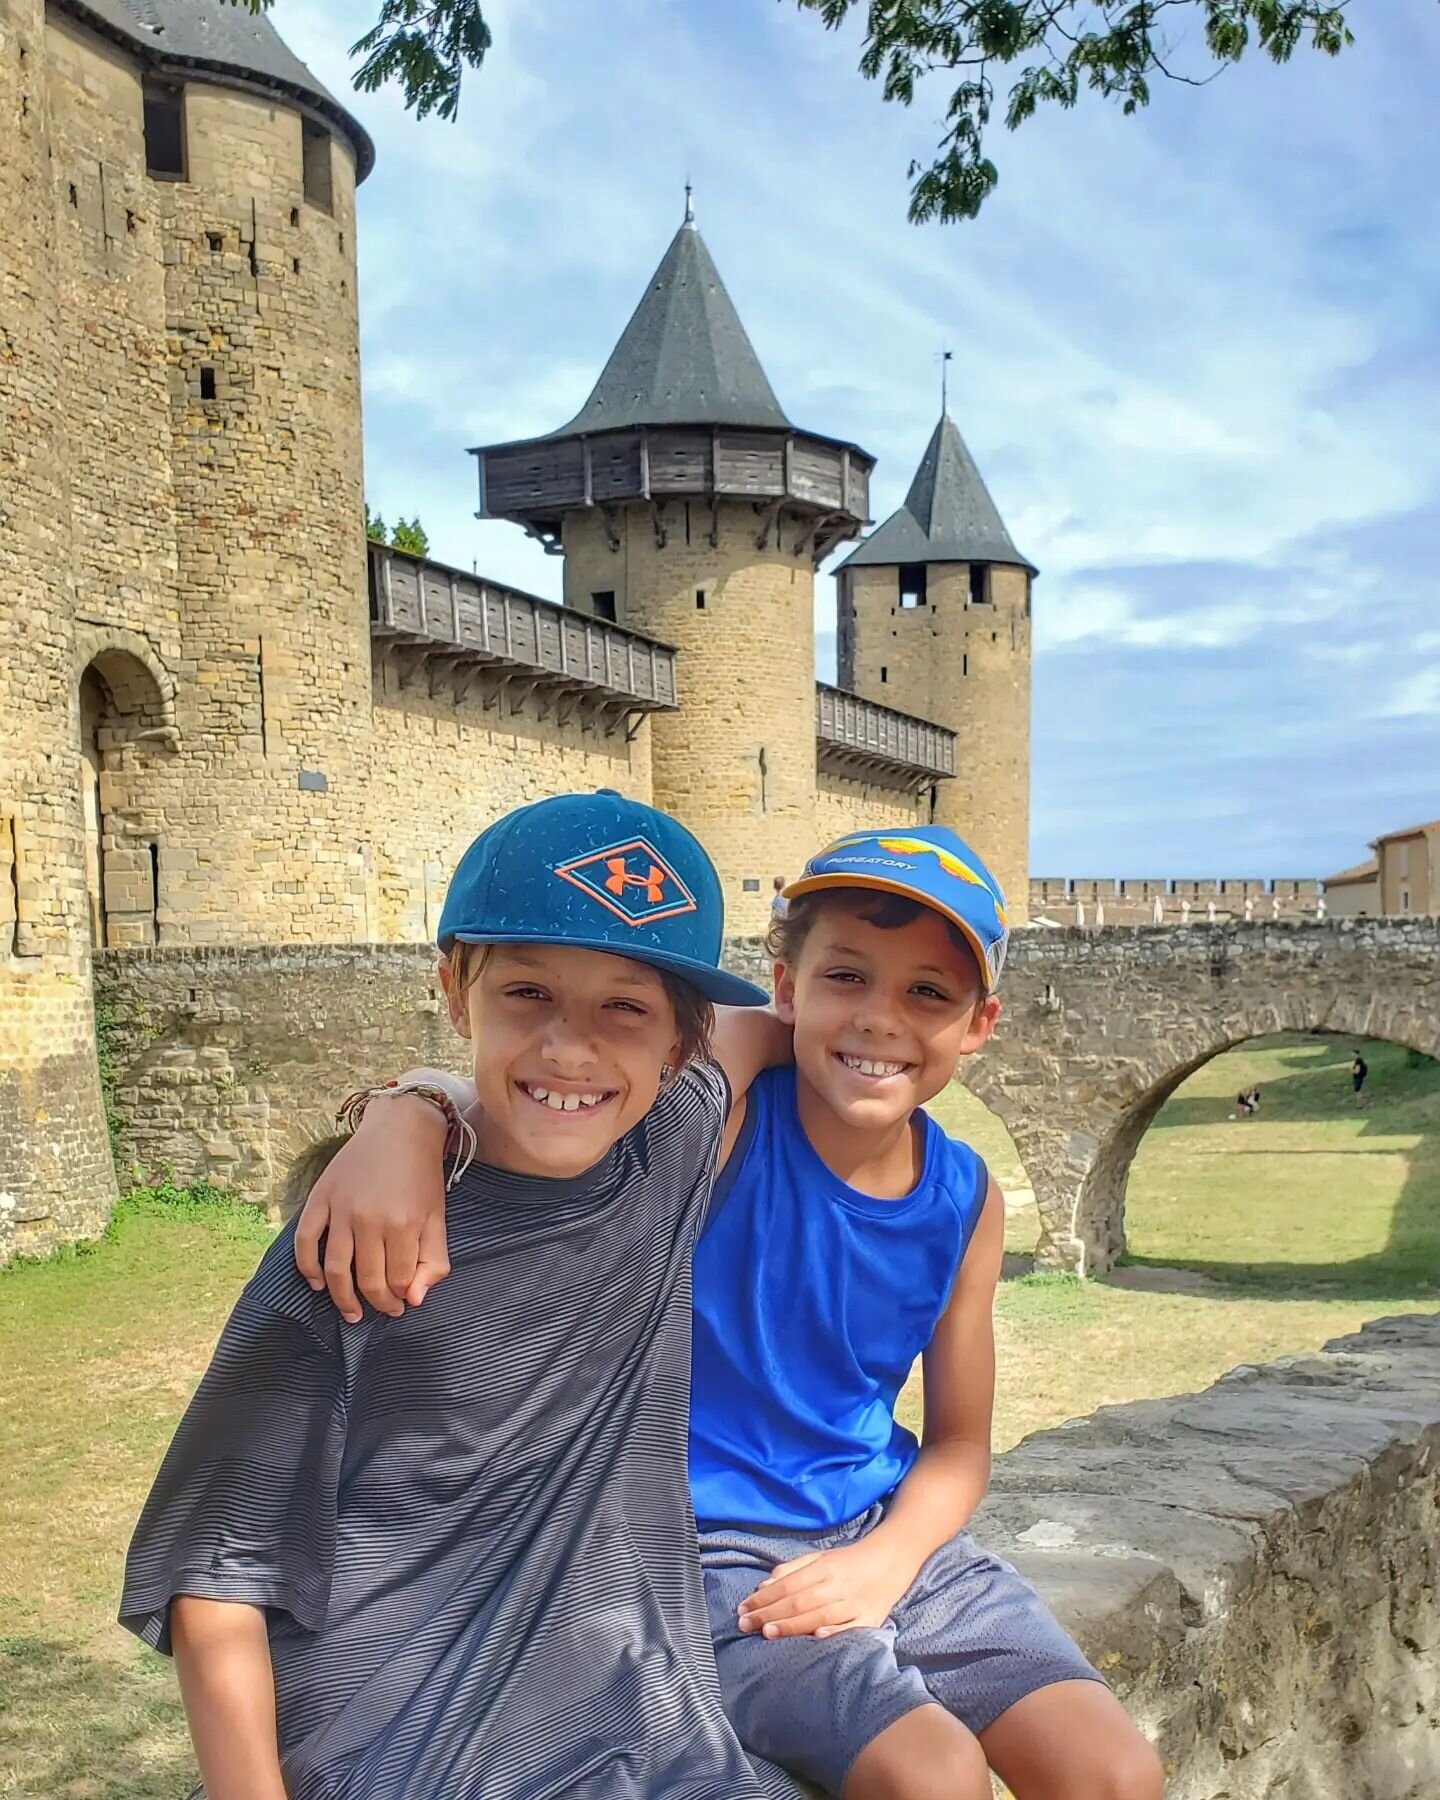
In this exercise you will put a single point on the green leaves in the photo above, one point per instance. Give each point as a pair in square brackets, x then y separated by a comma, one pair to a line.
[1115, 48]
[409, 534]
[426, 48]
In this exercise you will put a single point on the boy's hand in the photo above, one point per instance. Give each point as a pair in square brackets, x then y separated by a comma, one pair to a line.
[828, 1591]
[380, 1207]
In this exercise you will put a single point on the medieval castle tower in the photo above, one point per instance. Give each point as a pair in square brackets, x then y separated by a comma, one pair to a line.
[224, 719]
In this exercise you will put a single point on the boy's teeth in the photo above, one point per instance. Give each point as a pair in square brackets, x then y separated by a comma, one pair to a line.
[563, 1102]
[864, 1065]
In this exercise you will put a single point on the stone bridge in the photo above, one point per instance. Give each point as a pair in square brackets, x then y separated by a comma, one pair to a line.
[1100, 1028]
[224, 1060]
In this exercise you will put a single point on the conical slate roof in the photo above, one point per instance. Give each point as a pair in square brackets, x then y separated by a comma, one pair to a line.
[948, 515]
[684, 358]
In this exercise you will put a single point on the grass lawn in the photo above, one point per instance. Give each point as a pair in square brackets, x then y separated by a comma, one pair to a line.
[1289, 1229]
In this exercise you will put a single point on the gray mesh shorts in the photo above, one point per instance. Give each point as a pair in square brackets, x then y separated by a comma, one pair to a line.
[971, 1633]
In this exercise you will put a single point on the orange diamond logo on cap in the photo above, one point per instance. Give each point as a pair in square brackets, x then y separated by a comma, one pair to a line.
[631, 880]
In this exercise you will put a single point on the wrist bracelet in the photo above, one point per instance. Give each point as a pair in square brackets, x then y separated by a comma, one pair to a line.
[460, 1139]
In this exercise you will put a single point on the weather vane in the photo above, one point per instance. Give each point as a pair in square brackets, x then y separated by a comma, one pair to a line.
[689, 209]
[944, 359]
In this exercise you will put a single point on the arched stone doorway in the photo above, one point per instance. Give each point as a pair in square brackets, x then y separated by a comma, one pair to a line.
[126, 716]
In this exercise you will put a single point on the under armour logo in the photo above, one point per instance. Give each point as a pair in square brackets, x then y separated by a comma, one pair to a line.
[620, 878]
[632, 881]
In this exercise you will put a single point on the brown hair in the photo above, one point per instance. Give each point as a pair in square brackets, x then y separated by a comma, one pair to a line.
[889, 912]
[694, 1014]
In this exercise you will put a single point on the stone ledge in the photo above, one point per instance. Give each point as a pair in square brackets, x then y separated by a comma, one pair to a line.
[1257, 1567]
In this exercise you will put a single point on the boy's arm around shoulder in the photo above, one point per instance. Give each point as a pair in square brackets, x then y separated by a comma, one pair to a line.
[375, 1217]
[748, 1040]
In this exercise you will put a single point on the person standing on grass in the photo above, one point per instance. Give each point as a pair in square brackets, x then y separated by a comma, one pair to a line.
[864, 1640]
[1359, 1069]
[449, 1555]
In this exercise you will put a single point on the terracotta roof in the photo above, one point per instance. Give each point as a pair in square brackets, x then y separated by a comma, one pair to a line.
[948, 515]
[1366, 871]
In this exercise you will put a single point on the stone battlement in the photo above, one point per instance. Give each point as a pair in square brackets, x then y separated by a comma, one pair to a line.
[1129, 900]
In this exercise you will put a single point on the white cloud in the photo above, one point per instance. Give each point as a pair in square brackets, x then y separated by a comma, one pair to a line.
[1417, 696]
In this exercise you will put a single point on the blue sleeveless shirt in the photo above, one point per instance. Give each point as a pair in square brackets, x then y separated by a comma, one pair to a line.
[811, 1303]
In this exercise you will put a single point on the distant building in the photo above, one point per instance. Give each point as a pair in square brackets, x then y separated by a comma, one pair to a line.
[1409, 869]
[1352, 893]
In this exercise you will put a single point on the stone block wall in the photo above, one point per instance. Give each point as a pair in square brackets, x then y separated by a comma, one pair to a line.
[842, 805]
[737, 762]
[1256, 1568]
[229, 1061]
[440, 772]
[56, 1180]
[965, 664]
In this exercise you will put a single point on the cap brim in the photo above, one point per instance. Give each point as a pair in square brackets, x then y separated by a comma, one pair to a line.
[818, 884]
[715, 984]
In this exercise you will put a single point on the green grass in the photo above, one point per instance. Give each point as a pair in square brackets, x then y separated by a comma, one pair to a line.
[1249, 1239]
[1290, 1229]
[99, 1350]
[1315, 1195]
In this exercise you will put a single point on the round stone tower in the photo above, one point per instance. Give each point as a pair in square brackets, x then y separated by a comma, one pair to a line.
[690, 509]
[934, 619]
[184, 648]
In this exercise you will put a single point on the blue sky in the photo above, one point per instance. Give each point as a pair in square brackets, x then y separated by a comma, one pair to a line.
[1197, 357]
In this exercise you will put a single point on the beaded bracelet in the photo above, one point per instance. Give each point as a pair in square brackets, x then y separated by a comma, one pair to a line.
[460, 1131]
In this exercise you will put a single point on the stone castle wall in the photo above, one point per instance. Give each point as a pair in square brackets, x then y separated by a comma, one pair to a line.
[440, 771]
[1095, 901]
[1256, 1568]
[737, 762]
[843, 805]
[966, 665]
[55, 1173]
[220, 1055]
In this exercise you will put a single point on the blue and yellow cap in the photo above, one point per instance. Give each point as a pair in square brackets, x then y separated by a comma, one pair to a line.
[928, 864]
[597, 872]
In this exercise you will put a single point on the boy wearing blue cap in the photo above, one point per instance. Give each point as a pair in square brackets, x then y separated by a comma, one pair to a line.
[450, 1554]
[864, 1640]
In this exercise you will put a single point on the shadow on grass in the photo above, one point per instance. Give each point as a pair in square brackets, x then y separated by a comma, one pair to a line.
[1402, 1100]
[99, 1727]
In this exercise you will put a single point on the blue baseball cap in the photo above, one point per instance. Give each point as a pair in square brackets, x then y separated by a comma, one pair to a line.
[596, 872]
[925, 863]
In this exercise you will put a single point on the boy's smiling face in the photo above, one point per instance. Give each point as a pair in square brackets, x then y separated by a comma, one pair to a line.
[882, 1015]
[570, 1050]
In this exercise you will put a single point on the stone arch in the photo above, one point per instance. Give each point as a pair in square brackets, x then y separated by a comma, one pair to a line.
[1002, 1149]
[1098, 1029]
[1097, 1225]
[126, 705]
[138, 688]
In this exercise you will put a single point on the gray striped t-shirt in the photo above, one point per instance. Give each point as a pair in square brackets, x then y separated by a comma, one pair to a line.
[470, 1526]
